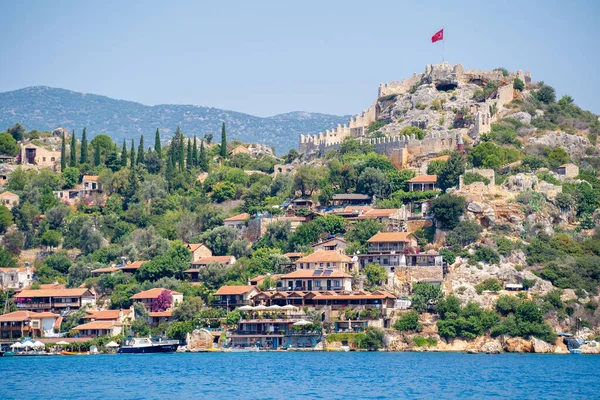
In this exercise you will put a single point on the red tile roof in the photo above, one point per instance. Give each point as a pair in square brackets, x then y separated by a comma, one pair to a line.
[134, 265]
[106, 270]
[378, 213]
[151, 294]
[239, 217]
[25, 315]
[98, 325]
[213, 259]
[227, 290]
[324, 256]
[8, 194]
[90, 178]
[107, 314]
[391, 237]
[77, 292]
[195, 246]
[424, 179]
[157, 314]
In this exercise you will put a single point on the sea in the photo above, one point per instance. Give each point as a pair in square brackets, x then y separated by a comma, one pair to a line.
[314, 375]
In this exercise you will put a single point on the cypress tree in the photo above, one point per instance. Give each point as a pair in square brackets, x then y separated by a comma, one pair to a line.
[124, 155]
[73, 150]
[140, 157]
[96, 155]
[181, 153]
[189, 161]
[63, 154]
[84, 148]
[195, 153]
[202, 158]
[157, 146]
[132, 160]
[223, 151]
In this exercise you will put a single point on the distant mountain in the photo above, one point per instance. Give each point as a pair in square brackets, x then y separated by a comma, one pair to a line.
[45, 108]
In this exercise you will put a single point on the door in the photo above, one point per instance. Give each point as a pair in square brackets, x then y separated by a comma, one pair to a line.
[309, 285]
[328, 284]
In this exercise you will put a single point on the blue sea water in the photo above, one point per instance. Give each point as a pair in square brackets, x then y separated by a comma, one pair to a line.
[301, 376]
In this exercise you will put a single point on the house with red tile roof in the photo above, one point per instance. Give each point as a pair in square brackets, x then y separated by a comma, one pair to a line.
[54, 299]
[27, 323]
[147, 297]
[237, 221]
[198, 251]
[329, 259]
[231, 297]
[16, 277]
[101, 328]
[422, 183]
[9, 199]
[317, 280]
[126, 315]
[333, 244]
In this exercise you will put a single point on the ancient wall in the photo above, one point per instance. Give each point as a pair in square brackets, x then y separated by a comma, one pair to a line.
[398, 87]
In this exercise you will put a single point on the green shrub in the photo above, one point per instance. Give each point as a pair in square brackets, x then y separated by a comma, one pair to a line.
[491, 284]
[486, 254]
[421, 341]
[408, 322]
[518, 85]
[470, 177]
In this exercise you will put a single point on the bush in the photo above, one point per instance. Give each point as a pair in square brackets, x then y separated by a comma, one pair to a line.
[471, 177]
[447, 210]
[507, 304]
[518, 85]
[465, 233]
[424, 294]
[420, 341]
[487, 255]
[491, 284]
[408, 322]
[546, 94]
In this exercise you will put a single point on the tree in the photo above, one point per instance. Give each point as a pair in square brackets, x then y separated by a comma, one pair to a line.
[307, 179]
[451, 171]
[140, 156]
[219, 239]
[51, 238]
[424, 294]
[212, 275]
[208, 137]
[73, 151]
[188, 161]
[84, 148]
[153, 162]
[157, 146]
[8, 145]
[7, 260]
[6, 219]
[465, 233]
[70, 176]
[63, 153]
[372, 181]
[124, 155]
[546, 94]
[17, 131]
[518, 85]
[163, 302]
[170, 264]
[181, 152]
[14, 241]
[447, 210]
[97, 160]
[132, 157]
[376, 275]
[223, 149]
[408, 322]
[188, 309]
[223, 191]
[202, 158]
[195, 153]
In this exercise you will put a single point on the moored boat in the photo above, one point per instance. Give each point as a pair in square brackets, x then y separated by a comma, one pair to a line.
[148, 345]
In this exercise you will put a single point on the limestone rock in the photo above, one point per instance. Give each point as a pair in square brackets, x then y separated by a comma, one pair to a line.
[539, 346]
[573, 144]
[517, 345]
[523, 117]
[492, 347]
[59, 132]
[199, 339]
[476, 207]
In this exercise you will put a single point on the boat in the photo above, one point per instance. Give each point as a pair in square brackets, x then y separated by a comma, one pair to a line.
[72, 353]
[575, 351]
[148, 345]
[245, 349]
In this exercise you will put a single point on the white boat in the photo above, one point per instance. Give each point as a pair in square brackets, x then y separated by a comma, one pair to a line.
[149, 345]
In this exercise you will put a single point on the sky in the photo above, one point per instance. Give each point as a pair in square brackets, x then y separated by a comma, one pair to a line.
[270, 57]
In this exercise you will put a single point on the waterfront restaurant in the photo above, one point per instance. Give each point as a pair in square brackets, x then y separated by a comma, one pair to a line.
[317, 280]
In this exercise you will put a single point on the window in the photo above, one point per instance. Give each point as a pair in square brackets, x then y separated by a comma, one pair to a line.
[337, 283]
[52, 159]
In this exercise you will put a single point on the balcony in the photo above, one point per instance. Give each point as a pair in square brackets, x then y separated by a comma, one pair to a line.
[35, 306]
[62, 305]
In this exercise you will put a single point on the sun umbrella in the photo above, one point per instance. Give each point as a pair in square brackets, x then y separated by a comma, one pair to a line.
[274, 307]
[38, 344]
[112, 344]
[245, 308]
[62, 343]
[260, 308]
[302, 322]
[289, 307]
[17, 345]
[28, 343]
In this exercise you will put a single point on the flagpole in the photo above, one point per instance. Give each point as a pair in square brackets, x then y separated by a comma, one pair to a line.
[443, 42]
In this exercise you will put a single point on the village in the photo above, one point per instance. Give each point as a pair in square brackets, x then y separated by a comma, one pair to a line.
[332, 293]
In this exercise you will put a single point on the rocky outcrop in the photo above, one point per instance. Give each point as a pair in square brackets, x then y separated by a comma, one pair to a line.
[199, 339]
[573, 144]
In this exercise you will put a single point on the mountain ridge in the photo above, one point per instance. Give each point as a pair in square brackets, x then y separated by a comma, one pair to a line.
[45, 108]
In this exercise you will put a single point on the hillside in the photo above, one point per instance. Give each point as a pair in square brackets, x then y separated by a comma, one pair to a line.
[45, 108]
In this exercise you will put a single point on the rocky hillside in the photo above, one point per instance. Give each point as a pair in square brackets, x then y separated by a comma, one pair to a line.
[45, 108]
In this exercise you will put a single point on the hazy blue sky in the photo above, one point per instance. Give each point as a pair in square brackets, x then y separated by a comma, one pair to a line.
[266, 58]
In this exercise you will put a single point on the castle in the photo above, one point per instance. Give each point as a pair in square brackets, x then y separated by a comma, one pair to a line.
[444, 77]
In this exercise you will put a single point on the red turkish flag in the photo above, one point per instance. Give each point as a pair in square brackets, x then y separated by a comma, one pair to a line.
[438, 36]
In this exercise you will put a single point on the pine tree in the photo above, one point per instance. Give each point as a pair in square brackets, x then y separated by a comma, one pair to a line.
[223, 151]
[63, 154]
[140, 157]
[195, 153]
[188, 161]
[84, 148]
[157, 146]
[96, 155]
[73, 149]
[132, 159]
[181, 153]
[202, 158]
[124, 154]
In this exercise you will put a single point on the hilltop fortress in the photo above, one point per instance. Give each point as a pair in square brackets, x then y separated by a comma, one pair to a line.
[440, 101]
